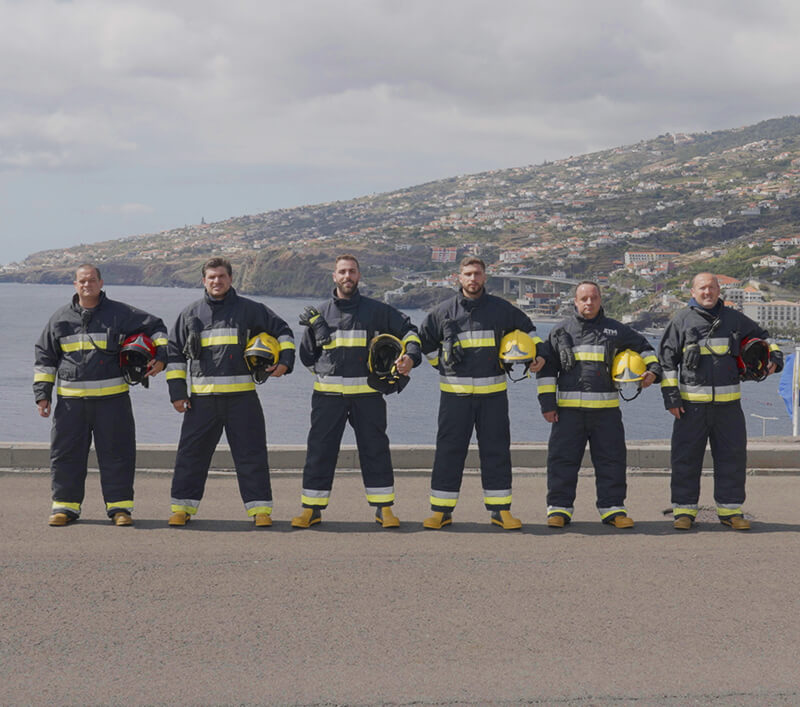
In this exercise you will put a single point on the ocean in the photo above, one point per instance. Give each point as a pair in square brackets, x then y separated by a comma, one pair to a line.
[25, 309]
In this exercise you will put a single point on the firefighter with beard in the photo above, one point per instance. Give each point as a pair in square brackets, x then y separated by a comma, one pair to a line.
[461, 338]
[701, 390]
[81, 346]
[335, 347]
[579, 398]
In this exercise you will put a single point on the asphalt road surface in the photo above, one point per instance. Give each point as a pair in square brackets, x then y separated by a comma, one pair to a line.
[348, 613]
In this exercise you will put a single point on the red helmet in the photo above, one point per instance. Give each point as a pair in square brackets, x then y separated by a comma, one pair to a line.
[753, 359]
[136, 352]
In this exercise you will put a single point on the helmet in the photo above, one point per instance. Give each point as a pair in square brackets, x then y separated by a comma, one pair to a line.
[517, 347]
[262, 351]
[753, 359]
[628, 367]
[384, 350]
[134, 355]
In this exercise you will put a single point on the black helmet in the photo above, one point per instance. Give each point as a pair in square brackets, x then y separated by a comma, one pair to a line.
[753, 359]
[384, 350]
[134, 355]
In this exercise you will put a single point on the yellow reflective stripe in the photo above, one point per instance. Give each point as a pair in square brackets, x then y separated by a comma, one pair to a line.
[536, 340]
[650, 359]
[175, 508]
[411, 336]
[669, 382]
[548, 388]
[449, 502]
[119, 504]
[577, 403]
[613, 511]
[173, 375]
[210, 388]
[496, 500]
[476, 343]
[589, 356]
[342, 388]
[314, 500]
[685, 512]
[69, 506]
[727, 512]
[472, 389]
[380, 497]
[67, 392]
[708, 350]
[774, 347]
[433, 361]
[161, 341]
[345, 343]
[44, 377]
[219, 340]
[287, 345]
[83, 346]
[259, 509]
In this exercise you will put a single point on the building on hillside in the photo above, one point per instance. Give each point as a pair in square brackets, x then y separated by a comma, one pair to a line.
[444, 255]
[640, 257]
[777, 312]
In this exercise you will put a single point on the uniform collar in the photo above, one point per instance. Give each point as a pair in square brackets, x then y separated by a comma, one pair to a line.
[347, 303]
[600, 315]
[469, 303]
[230, 296]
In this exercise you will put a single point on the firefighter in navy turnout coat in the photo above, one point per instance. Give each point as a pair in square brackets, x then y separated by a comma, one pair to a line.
[81, 345]
[210, 337]
[578, 396]
[461, 338]
[335, 349]
[701, 389]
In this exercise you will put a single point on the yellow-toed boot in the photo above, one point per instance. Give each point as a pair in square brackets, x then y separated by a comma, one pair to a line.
[59, 519]
[179, 519]
[438, 520]
[263, 520]
[386, 517]
[683, 523]
[122, 518]
[736, 522]
[505, 520]
[621, 521]
[309, 517]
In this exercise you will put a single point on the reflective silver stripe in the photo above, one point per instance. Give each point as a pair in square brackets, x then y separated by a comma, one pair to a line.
[258, 504]
[707, 393]
[411, 336]
[351, 335]
[669, 379]
[687, 506]
[97, 337]
[477, 338]
[561, 509]
[432, 356]
[545, 381]
[611, 509]
[583, 395]
[175, 367]
[45, 370]
[222, 331]
[586, 348]
[315, 493]
[93, 385]
[191, 502]
[381, 491]
[220, 380]
[475, 382]
[219, 337]
[445, 494]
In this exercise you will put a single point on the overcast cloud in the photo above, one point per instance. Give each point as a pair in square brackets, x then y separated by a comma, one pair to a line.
[135, 116]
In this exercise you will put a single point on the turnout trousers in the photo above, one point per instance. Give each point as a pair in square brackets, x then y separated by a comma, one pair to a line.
[458, 415]
[367, 416]
[604, 432]
[242, 418]
[723, 425]
[109, 421]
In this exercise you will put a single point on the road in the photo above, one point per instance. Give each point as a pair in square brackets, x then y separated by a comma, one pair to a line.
[348, 613]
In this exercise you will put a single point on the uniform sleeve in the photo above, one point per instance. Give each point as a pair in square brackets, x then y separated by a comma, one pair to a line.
[277, 327]
[546, 378]
[430, 336]
[670, 354]
[400, 325]
[632, 339]
[176, 361]
[47, 353]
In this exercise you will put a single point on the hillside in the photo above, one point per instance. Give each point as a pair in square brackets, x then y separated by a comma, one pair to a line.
[701, 195]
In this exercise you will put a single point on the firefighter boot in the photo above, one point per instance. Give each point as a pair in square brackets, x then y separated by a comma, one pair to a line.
[557, 520]
[122, 518]
[263, 520]
[438, 520]
[621, 521]
[179, 519]
[505, 520]
[683, 523]
[309, 517]
[736, 522]
[59, 519]
[386, 518]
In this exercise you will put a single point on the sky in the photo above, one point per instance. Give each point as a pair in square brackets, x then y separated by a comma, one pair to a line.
[121, 117]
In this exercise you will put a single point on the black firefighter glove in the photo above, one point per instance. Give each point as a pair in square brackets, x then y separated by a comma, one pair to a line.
[312, 318]
[194, 343]
[452, 352]
[563, 342]
[691, 351]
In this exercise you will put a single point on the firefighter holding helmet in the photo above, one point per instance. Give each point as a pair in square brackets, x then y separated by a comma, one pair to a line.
[579, 396]
[706, 350]
[96, 347]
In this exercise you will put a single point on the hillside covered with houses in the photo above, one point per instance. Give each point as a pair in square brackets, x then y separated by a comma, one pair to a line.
[640, 219]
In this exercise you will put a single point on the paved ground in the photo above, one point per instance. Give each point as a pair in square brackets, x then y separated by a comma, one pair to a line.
[347, 613]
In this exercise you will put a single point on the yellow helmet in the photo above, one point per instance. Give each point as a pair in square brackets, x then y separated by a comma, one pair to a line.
[628, 367]
[261, 352]
[517, 347]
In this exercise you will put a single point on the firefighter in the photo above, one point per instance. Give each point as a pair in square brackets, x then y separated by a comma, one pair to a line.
[81, 346]
[579, 397]
[209, 339]
[701, 389]
[335, 349]
[461, 338]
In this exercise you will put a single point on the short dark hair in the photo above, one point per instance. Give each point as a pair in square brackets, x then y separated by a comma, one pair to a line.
[218, 262]
[588, 282]
[89, 265]
[471, 260]
[347, 256]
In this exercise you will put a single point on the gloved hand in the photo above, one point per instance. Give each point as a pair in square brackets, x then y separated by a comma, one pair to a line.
[312, 318]
[451, 347]
[563, 343]
[691, 351]
[194, 345]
